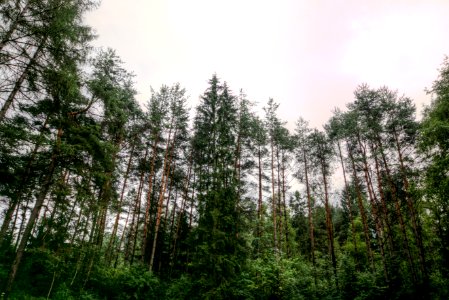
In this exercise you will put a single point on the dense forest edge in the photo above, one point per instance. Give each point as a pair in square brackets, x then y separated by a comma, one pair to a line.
[104, 198]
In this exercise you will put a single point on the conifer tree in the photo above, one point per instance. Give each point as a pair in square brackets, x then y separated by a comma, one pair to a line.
[219, 252]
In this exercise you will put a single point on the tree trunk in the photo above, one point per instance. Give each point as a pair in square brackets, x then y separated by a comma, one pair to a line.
[374, 208]
[279, 199]
[122, 238]
[122, 193]
[181, 211]
[129, 245]
[416, 228]
[273, 200]
[8, 34]
[309, 207]
[259, 203]
[284, 207]
[329, 225]
[146, 224]
[349, 203]
[9, 101]
[361, 207]
[398, 210]
[34, 214]
[165, 174]
[14, 202]
[383, 201]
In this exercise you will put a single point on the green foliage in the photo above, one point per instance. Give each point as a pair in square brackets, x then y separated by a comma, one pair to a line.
[360, 285]
[134, 282]
[271, 278]
[77, 151]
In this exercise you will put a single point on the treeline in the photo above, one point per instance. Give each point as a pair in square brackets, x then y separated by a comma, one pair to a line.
[105, 199]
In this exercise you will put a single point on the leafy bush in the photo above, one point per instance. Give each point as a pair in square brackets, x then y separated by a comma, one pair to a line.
[125, 283]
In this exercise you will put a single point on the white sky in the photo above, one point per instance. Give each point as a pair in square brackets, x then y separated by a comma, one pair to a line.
[307, 55]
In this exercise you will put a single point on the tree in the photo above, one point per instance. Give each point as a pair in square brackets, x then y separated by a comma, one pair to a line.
[433, 143]
[321, 154]
[219, 251]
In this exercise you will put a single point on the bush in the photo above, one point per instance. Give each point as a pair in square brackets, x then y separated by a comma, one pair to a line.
[125, 283]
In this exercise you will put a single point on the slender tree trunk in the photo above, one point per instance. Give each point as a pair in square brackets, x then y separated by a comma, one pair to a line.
[23, 220]
[192, 201]
[416, 228]
[122, 193]
[398, 210]
[329, 225]
[181, 211]
[165, 174]
[279, 199]
[129, 245]
[8, 34]
[34, 214]
[170, 189]
[122, 238]
[273, 195]
[105, 198]
[135, 221]
[361, 207]
[259, 203]
[77, 223]
[136, 227]
[12, 96]
[86, 182]
[150, 191]
[309, 208]
[374, 208]
[383, 201]
[60, 199]
[349, 203]
[15, 202]
[285, 207]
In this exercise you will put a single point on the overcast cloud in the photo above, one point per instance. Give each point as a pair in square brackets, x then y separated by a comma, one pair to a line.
[307, 55]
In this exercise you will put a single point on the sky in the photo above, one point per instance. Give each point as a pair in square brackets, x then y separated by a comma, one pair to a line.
[309, 56]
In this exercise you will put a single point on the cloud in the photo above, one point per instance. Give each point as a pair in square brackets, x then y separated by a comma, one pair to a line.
[308, 55]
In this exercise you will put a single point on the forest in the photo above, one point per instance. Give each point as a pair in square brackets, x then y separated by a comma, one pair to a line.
[102, 197]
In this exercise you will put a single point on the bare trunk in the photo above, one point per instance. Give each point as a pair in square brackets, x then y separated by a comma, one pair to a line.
[122, 193]
[361, 207]
[122, 238]
[170, 189]
[372, 198]
[165, 174]
[279, 200]
[259, 203]
[192, 201]
[149, 192]
[411, 207]
[284, 207]
[383, 202]
[309, 207]
[182, 210]
[129, 245]
[398, 211]
[329, 225]
[273, 200]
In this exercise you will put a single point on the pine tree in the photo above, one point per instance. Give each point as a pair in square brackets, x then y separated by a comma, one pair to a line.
[219, 252]
[433, 143]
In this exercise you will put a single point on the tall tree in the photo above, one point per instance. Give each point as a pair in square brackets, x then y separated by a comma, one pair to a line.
[219, 253]
[434, 145]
